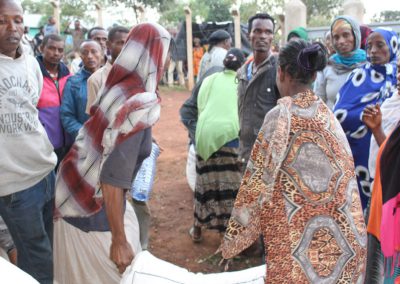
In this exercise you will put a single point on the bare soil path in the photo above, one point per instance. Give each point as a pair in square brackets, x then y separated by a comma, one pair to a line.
[171, 203]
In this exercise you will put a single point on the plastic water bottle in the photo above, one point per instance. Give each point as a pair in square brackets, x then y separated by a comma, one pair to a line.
[143, 183]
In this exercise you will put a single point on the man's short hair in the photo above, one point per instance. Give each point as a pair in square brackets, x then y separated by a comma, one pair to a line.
[88, 40]
[117, 29]
[52, 37]
[263, 16]
[89, 34]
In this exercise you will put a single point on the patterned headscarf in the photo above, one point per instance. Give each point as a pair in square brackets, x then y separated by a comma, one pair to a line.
[391, 40]
[128, 104]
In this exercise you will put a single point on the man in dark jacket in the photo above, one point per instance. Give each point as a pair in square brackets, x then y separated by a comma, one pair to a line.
[257, 93]
[55, 75]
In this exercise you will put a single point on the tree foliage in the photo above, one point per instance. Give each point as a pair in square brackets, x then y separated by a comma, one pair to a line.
[322, 12]
[42, 7]
[70, 10]
[319, 12]
[386, 16]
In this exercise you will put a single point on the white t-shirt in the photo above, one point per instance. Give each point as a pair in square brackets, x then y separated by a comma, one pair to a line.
[26, 153]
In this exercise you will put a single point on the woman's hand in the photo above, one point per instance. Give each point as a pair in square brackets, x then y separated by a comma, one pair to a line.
[372, 117]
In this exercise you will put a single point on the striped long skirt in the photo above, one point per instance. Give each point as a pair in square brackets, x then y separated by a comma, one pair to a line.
[217, 184]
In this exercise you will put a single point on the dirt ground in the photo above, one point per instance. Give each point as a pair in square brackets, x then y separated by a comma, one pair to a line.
[171, 203]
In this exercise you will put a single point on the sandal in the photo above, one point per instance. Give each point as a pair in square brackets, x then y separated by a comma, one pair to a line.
[196, 238]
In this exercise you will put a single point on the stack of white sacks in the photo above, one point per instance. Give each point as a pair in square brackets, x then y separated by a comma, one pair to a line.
[147, 269]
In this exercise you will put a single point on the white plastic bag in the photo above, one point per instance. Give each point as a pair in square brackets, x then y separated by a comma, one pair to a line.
[191, 167]
[148, 269]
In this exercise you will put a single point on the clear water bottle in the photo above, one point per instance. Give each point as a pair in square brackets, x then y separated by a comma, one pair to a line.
[143, 183]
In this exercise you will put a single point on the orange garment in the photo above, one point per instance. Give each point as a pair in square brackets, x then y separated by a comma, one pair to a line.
[249, 59]
[375, 214]
[197, 55]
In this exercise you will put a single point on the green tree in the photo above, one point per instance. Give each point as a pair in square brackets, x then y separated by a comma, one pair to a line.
[218, 11]
[248, 9]
[42, 7]
[321, 12]
[70, 10]
[386, 16]
[208, 10]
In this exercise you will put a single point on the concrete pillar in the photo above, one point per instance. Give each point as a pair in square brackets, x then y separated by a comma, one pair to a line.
[295, 16]
[189, 47]
[354, 8]
[236, 23]
[56, 13]
[99, 10]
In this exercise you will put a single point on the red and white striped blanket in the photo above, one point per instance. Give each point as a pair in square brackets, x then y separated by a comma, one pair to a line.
[128, 104]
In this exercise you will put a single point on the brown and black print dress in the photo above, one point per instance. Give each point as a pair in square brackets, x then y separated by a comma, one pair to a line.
[300, 191]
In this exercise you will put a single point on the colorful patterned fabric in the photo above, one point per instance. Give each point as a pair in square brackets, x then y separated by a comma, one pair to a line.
[369, 84]
[299, 190]
[49, 105]
[128, 104]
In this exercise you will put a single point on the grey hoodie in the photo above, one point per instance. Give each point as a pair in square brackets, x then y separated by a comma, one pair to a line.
[26, 153]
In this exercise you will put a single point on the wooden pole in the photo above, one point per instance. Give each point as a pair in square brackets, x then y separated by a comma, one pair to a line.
[99, 10]
[236, 22]
[189, 47]
[56, 13]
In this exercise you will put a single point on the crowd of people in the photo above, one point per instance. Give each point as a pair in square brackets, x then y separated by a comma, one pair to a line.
[296, 153]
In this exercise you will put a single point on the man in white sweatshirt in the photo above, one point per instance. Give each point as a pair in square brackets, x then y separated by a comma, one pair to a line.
[27, 157]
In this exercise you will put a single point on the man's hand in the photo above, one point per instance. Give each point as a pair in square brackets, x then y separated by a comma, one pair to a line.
[121, 254]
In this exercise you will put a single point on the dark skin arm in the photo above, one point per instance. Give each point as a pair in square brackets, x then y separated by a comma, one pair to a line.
[121, 252]
[372, 117]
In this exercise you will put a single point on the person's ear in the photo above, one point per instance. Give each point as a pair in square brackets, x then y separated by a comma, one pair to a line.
[281, 74]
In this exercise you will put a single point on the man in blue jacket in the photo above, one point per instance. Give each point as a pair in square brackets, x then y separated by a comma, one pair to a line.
[73, 105]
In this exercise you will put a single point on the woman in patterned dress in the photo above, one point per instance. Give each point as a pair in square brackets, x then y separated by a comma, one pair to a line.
[299, 189]
[370, 84]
